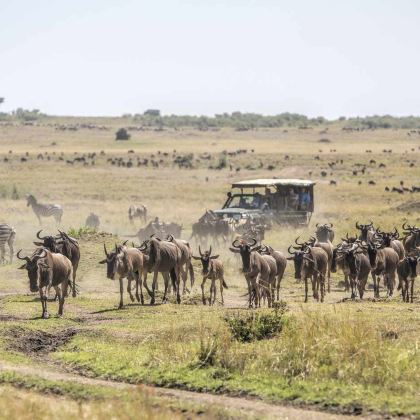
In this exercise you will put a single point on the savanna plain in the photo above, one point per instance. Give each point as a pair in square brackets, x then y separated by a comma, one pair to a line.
[339, 358]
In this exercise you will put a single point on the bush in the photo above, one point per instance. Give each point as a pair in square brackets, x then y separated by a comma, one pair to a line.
[122, 134]
[247, 327]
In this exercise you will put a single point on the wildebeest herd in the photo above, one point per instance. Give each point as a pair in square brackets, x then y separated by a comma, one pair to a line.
[384, 255]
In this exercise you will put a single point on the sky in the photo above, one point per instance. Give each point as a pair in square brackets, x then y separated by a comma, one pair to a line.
[109, 57]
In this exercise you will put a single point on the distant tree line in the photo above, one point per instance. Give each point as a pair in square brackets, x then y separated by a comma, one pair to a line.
[239, 120]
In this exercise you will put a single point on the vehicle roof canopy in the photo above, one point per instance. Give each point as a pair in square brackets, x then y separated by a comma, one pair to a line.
[272, 182]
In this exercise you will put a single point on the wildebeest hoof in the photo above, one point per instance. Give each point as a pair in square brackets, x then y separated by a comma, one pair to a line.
[45, 315]
[152, 301]
[74, 294]
[120, 306]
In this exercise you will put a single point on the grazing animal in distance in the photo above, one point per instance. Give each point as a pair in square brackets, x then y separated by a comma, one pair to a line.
[139, 212]
[44, 210]
[125, 263]
[45, 270]
[7, 235]
[212, 269]
[92, 221]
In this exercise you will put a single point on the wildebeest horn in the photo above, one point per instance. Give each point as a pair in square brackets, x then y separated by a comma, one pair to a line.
[234, 243]
[289, 251]
[297, 243]
[106, 252]
[40, 237]
[22, 258]
[199, 250]
[255, 242]
[123, 244]
[170, 238]
[143, 246]
[44, 254]
[357, 225]
[210, 251]
[317, 225]
[331, 225]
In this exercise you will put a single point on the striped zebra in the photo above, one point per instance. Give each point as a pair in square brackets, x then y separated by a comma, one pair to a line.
[44, 210]
[7, 235]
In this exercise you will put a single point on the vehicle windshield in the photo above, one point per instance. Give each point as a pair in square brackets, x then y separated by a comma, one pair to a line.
[245, 201]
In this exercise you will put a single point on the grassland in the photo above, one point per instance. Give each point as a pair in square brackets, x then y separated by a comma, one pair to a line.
[342, 356]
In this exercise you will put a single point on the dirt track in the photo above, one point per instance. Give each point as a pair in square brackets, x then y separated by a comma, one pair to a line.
[243, 406]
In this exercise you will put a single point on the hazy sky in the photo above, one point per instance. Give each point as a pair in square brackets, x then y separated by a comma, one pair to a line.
[109, 57]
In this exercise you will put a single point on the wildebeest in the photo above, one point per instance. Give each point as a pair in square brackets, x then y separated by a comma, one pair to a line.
[366, 232]
[311, 263]
[384, 263]
[281, 262]
[407, 272]
[186, 255]
[92, 221]
[127, 263]
[7, 235]
[139, 212]
[212, 269]
[411, 239]
[45, 270]
[255, 268]
[390, 239]
[44, 210]
[164, 256]
[66, 245]
[324, 232]
[358, 265]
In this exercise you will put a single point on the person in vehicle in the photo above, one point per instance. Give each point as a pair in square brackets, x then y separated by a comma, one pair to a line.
[304, 199]
[293, 199]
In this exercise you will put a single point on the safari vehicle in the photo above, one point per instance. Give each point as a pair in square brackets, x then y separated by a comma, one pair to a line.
[289, 201]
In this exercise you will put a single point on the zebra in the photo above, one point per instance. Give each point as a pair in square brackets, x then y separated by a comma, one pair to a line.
[7, 234]
[44, 210]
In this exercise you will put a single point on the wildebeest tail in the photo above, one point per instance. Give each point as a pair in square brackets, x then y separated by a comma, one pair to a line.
[224, 284]
[173, 278]
[191, 271]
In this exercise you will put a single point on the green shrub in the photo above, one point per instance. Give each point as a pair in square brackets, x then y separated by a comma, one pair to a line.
[247, 327]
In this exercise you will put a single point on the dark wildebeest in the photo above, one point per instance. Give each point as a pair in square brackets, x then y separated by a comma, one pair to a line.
[256, 269]
[212, 269]
[407, 272]
[139, 212]
[359, 266]
[66, 245]
[125, 263]
[366, 232]
[45, 270]
[328, 248]
[324, 232]
[384, 263]
[281, 262]
[186, 264]
[412, 237]
[311, 263]
[164, 257]
[390, 239]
